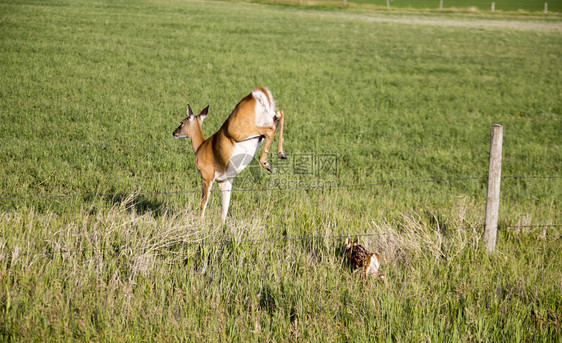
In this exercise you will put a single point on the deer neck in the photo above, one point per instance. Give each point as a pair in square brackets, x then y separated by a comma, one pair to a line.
[197, 139]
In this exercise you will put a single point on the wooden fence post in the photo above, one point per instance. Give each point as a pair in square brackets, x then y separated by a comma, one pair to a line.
[493, 196]
[441, 4]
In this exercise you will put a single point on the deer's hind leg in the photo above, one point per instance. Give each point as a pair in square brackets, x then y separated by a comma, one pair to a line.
[256, 131]
[268, 140]
[268, 132]
[279, 122]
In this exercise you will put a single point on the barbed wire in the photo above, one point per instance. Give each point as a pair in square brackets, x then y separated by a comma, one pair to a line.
[530, 177]
[126, 247]
[277, 239]
[528, 226]
[268, 189]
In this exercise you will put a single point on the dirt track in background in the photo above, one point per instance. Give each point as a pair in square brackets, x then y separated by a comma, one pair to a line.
[484, 23]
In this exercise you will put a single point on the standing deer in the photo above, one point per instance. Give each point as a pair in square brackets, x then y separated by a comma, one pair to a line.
[226, 153]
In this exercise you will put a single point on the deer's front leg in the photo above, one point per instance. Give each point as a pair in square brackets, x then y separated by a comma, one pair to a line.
[205, 191]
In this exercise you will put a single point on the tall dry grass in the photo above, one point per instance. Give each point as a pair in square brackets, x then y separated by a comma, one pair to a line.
[112, 272]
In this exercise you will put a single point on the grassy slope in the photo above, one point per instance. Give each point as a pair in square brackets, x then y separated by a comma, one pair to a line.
[94, 90]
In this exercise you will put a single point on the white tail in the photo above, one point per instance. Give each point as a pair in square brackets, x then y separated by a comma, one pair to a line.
[226, 153]
[374, 264]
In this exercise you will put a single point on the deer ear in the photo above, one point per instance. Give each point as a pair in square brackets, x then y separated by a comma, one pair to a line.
[203, 113]
[189, 112]
[356, 241]
[347, 241]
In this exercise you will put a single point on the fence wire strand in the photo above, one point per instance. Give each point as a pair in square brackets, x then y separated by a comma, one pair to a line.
[258, 241]
[250, 242]
[267, 189]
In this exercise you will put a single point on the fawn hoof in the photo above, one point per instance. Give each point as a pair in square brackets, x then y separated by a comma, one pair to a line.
[266, 166]
[282, 155]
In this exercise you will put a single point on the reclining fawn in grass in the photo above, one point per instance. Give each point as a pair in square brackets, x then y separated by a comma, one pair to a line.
[226, 153]
[360, 258]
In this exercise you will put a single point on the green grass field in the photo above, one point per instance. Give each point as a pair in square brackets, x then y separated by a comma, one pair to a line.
[92, 91]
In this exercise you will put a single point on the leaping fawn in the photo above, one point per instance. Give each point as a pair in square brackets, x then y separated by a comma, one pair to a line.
[226, 153]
